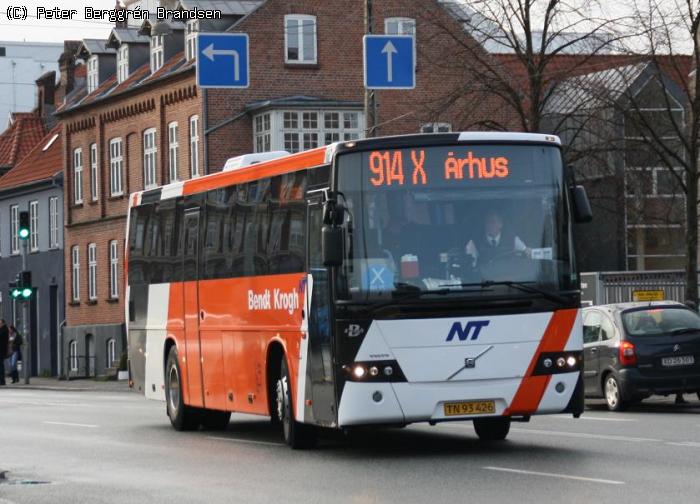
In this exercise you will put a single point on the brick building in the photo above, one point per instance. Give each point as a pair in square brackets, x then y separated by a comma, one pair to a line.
[140, 121]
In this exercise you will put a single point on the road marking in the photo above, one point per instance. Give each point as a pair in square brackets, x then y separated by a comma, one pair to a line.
[70, 424]
[245, 441]
[689, 444]
[586, 417]
[555, 475]
[585, 435]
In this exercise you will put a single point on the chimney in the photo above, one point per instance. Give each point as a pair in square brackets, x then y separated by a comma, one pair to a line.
[66, 65]
[120, 23]
[46, 91]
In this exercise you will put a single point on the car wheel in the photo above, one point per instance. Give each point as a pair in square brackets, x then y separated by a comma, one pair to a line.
[613, 394]
[492, 429]
[182, 417]
[295, 434]
[215, 420]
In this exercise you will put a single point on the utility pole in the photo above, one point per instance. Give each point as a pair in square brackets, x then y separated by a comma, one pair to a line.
[370, 94]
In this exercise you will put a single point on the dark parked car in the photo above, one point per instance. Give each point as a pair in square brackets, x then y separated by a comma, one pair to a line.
[634, 350]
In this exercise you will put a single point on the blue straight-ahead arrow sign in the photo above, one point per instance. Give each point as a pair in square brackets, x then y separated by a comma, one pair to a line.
[390, 62]
[223, 60]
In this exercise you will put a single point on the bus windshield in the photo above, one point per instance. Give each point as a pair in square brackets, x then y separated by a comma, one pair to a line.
[454, 218]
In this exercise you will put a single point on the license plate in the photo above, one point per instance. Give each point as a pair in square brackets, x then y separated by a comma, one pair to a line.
[470, 408]
[683, 360]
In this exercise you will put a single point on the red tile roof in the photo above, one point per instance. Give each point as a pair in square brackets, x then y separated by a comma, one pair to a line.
[25, 130]
[38, 164]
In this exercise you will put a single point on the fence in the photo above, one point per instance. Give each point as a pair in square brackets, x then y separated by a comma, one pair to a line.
[619, 286]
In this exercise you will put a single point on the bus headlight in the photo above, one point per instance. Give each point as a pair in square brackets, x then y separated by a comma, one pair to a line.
[550, 363]
[374, 371]
[359, 372]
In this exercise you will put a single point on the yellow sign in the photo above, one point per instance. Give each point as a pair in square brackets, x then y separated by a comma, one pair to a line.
[648, 295]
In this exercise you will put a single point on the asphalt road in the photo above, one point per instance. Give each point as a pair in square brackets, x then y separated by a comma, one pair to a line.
[92, 447]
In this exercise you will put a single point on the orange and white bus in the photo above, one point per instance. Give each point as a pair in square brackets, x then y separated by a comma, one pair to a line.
[421, 278]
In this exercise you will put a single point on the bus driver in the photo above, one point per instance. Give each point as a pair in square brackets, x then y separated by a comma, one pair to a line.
[495, 242]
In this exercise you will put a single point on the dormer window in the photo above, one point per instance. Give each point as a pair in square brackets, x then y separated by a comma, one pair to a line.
[191, 30]
[123, 63]
[156, 53]
[93, 78]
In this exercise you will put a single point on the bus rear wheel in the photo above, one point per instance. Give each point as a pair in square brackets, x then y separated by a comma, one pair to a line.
[182, 417]
[295, 434]
[492, 429]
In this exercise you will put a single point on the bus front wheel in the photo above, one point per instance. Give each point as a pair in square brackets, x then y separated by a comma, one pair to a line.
[295, 434]
[492, 429]
[182, 417]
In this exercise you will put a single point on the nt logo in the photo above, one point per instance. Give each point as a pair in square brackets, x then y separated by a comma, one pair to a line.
[470, 331]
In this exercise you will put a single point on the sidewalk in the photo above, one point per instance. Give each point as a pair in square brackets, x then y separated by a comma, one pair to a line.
[84, 385]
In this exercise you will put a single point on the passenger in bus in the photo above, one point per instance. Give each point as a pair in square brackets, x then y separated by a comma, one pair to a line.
[495, 241]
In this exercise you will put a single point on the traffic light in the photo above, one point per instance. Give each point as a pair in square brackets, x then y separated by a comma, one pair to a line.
[22, 289]
[23, 230]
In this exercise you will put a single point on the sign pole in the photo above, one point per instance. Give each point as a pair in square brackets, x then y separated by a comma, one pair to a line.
[27, 356]
[370, 94]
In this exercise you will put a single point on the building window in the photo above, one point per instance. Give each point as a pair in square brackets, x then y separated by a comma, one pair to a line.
[111, 353]
[93, 73]
[92, 271]
[194, 146]
[53, 222]
[75, 267]
[173, 149]
[149, 158]
[33, 226]
[191, 29]
[400, 26]
[300, 39]
[94, 191]
[73, 353]
[14, 229]
[115, 167]
[156, 53]
[78, 176]
[263, 133]
[123, 63]
[436, 128]
[113, 269]
[294, 130]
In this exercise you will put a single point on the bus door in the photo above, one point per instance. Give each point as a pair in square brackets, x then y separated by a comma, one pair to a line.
[320, 368]
[190, 269]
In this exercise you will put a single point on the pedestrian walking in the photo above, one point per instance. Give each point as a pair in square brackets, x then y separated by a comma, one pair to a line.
[4, 348]
[15, 343]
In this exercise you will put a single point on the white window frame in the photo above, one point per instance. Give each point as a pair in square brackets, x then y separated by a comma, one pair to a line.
[150, 151]
[436, 127]
[73, 354]
[262, 132]
[14, 229]
[111, 352]
[173, 151]
[299, 19]
[402, 23]
[113, 269]
[78, 176]
[330, 127]
[34, 226]
[94, 174]
[123, 63]
[75, 275]
[93, 73]
[157, 52]
[116, 161]
[191, 31]
[53, 222]
[194, 146]
[92, 271]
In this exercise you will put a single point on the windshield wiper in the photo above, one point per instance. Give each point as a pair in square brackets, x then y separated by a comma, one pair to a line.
[406, 291]
[684, 330]
[522, 286]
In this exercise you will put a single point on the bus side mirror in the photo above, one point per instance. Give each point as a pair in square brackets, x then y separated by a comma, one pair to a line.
[333, 213]
[582, 207]
[332, 245]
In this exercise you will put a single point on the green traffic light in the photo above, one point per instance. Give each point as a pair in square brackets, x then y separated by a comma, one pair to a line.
[15, 293]
[26, 293]
[24, 233]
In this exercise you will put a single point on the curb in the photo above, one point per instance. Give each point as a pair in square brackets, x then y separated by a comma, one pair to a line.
[68, 389]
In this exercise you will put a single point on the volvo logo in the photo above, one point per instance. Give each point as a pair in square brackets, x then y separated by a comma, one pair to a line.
[676, 348]
[469, 363]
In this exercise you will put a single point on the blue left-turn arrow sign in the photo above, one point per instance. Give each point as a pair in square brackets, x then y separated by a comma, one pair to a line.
[223, 60]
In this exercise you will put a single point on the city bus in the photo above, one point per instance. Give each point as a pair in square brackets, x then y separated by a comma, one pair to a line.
[354, 285]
